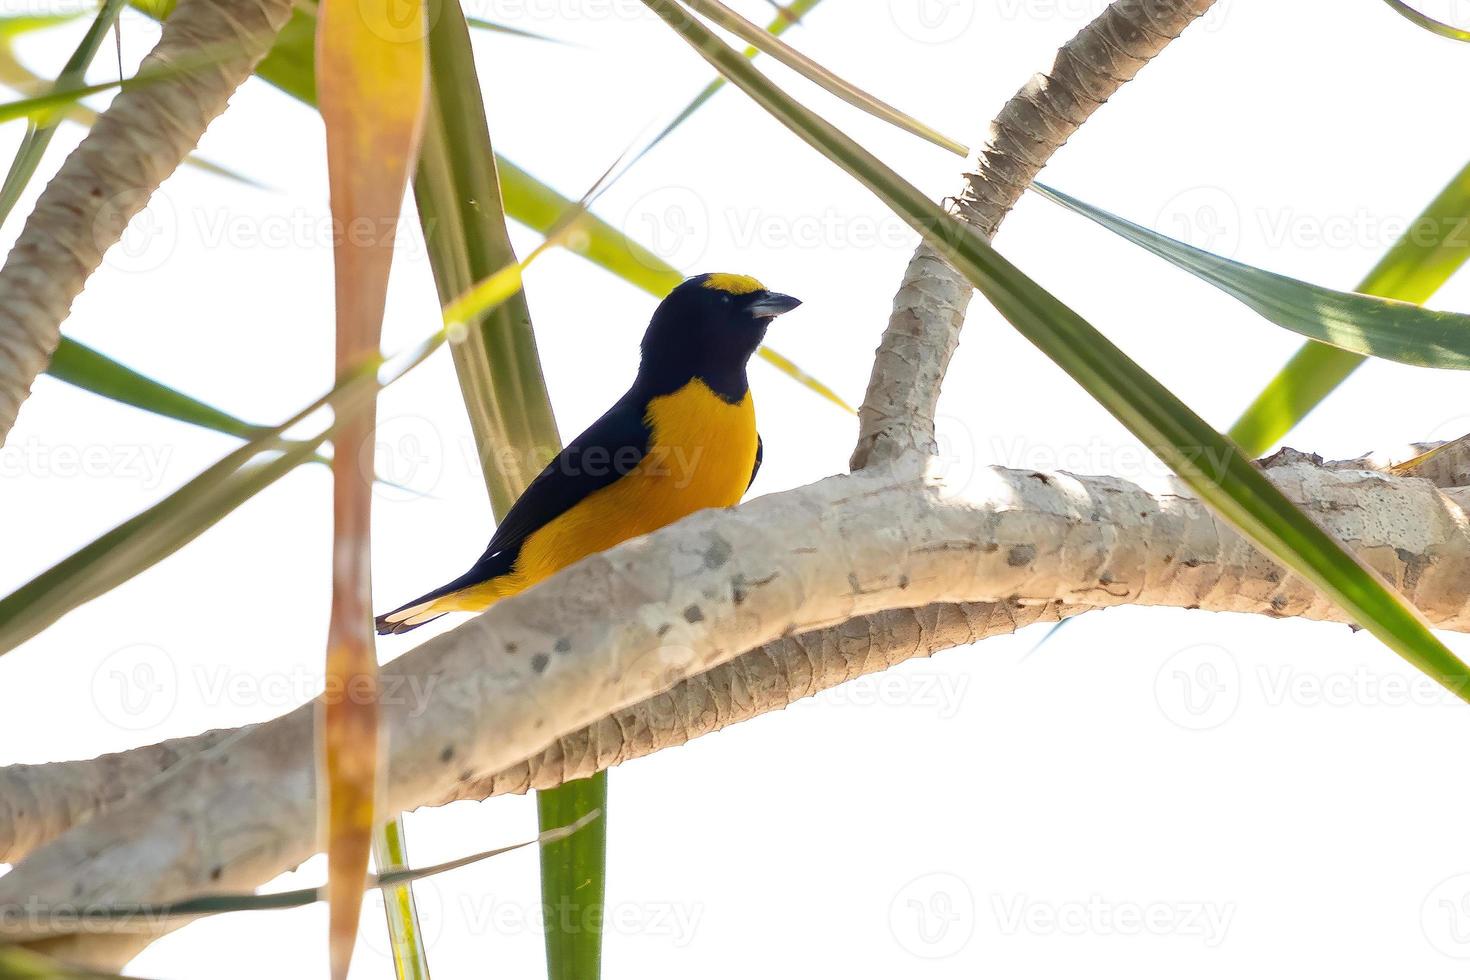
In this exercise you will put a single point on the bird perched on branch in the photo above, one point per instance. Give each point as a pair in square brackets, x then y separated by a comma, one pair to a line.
[683, 438]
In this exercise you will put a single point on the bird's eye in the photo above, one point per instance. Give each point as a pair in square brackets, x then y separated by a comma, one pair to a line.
[726, 298]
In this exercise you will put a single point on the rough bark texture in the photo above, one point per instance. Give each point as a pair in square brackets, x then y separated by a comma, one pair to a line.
[897, 414]
[142, 137]
[767, 679]
[624, 626]
[37, 802]
[40, 802]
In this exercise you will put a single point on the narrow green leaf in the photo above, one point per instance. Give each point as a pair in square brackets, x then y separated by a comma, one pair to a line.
[60, 97]
[390, 854]
[457, 192]
[572, 879]
[90, 370]
[1427, 22]
[1434, 248]
[299, 897]
[785, 18]
[785, 365]
[38, 137]
[95, 372]
[1355, 322]
[1206, 461]
[817, 74]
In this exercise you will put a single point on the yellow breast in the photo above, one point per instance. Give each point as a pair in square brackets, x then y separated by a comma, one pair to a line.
[703, 450]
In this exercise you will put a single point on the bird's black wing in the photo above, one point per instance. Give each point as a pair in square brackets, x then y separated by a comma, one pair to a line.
[608, 450]
[760, 452]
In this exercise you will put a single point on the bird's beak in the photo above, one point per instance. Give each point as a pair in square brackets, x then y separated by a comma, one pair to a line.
[769, 304]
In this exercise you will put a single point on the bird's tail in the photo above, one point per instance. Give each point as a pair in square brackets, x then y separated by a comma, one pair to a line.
[411, 616]
[472, 591]
[427, 607]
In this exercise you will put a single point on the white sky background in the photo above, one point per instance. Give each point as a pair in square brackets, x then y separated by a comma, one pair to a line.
[1089, 808]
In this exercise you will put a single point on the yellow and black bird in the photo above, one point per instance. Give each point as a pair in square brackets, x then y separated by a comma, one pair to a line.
[683, 438]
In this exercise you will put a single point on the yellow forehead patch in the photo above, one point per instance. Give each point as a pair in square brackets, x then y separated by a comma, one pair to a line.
[728, 282]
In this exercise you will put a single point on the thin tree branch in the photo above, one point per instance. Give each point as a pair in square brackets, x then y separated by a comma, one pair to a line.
[142, 138]
[897, 414]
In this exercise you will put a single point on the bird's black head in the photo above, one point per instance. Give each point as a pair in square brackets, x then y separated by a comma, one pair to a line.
[707, 328]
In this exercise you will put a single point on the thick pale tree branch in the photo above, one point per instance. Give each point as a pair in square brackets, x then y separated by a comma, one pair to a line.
[897, 414]
[37, 802]
[629, 624]
[766, 679]
[40, 802]
[142, 138]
